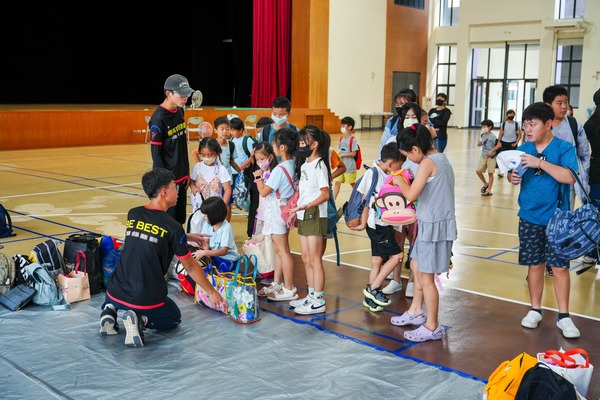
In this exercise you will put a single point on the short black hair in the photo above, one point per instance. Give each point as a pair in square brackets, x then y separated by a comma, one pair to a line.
[215, 210]
[221, 121]
[441, 94]
[282, 102]
[154, 180]
[488, 122]
[551, 92]
[408, 94]
[237, 124]
[390, 152]
[348, 121]
[510, 112]
[264, 121]
[539, 110]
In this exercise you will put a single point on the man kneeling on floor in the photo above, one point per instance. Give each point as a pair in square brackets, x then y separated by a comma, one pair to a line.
[138, 284]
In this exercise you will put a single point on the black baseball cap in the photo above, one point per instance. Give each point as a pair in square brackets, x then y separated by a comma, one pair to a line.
[178, 83]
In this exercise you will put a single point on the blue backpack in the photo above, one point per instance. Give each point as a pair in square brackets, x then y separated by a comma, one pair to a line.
[6, 228]
[355, 205]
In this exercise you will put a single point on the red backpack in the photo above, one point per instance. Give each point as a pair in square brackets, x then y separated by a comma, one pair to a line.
[358, 156]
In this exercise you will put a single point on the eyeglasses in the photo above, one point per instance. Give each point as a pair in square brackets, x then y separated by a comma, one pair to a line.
[540, 171]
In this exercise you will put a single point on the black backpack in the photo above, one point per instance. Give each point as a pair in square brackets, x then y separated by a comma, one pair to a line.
[540, 382]
[90, 245]
[6, 227]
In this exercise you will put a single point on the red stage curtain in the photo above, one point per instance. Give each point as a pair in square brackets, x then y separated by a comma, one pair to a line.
[271, 51]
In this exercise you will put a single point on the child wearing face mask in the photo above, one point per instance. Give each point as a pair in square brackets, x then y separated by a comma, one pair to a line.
[263, 158]
[277, 185]
[487, 162]
[348, 149]
[280, 111]
[209, 177]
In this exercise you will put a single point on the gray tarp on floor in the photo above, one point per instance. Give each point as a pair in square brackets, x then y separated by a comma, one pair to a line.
[48, 354]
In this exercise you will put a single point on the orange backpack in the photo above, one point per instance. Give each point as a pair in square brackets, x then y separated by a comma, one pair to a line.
[504, 382]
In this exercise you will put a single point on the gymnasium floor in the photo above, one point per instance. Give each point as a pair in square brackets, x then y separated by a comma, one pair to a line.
[348, 352]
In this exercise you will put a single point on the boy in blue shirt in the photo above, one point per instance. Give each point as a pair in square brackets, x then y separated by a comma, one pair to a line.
[545, 158]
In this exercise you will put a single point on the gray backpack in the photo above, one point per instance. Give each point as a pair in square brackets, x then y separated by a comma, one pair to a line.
[7, 273]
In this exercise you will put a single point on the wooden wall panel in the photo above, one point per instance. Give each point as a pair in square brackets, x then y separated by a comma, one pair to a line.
[52, 126]
[406, 46]
[300, 75]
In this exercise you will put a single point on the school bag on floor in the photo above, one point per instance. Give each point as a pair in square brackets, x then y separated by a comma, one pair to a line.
[355, 205]
[49, 256]
[504, 382]
[7, 273]
[90, 245]
[541, 382]
[6, 227]
[47, 292]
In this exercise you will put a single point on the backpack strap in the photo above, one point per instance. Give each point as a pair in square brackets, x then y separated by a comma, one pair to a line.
[245, 145]
[573, 125]
[231, 148]
[287, 174]
[371, 191]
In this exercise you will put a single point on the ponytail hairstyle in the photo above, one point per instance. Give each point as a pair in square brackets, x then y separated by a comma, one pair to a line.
[322, 138]
[415, 135]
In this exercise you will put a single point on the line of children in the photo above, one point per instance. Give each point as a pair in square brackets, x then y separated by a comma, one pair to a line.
[487, 162]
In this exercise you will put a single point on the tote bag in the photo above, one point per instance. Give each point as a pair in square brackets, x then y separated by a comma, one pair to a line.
[261, 247]
[243, 303]
[75, 286]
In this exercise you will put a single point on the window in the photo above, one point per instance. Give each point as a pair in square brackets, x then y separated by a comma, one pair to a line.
[446, 72]
[568, 69]
[571, 9]
[448, 13]
[411, 3]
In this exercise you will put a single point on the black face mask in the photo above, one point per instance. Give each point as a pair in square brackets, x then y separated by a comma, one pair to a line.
[398, 110]
[439, 102]
[511, 117]
[304, 151]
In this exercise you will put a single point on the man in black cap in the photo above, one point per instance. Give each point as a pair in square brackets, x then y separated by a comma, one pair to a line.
[168, 140]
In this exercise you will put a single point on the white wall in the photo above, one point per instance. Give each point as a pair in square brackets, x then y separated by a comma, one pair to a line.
[357, 34]
[516, 21]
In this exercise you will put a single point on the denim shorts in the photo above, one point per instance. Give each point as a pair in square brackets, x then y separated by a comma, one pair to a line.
[534, 248]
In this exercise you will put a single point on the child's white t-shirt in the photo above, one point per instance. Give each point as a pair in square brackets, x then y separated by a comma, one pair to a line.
[364, 186]
[313, 177]
[279, 181]
[222, 237]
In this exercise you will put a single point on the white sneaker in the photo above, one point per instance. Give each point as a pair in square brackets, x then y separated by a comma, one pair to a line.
[392, 287]
[568, 328]
[532, 319]
[311, 307]
[588, 260]
[299, 302]
[410, 290]
[285, 295]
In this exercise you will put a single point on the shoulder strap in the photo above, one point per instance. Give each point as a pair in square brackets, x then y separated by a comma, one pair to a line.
[287, 174]
[231, 148]
[245, 145]
[394, 119]
[573, 125]
[503, 124]
[265, 133]
[374, 179]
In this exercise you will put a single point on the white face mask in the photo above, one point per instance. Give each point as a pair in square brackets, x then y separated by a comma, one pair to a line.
[409, 121]
[209, 160]
[484, 131]
[344, 130]
[279, 121]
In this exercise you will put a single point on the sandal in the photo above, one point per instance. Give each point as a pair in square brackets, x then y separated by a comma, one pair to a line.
[486, 193]
[283, 294]
[407, 319]
[484, 189]
[267, 290]
[422, 334]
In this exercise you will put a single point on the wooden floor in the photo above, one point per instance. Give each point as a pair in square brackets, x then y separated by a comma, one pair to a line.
[56, 192]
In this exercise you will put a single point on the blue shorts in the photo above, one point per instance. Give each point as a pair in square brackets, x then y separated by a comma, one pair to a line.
[534, 248]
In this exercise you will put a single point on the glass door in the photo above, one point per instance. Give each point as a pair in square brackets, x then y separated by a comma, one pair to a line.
[486, 101]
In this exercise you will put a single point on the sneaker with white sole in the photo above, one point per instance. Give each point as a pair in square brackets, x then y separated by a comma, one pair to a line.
[410, 290]
[312, 306]
[299, 302]
[392, 287]
[134, 326]
[376, 295]
[371, 305]
[531, 320]
[568, 328]
[108, 322]
[283, 294]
